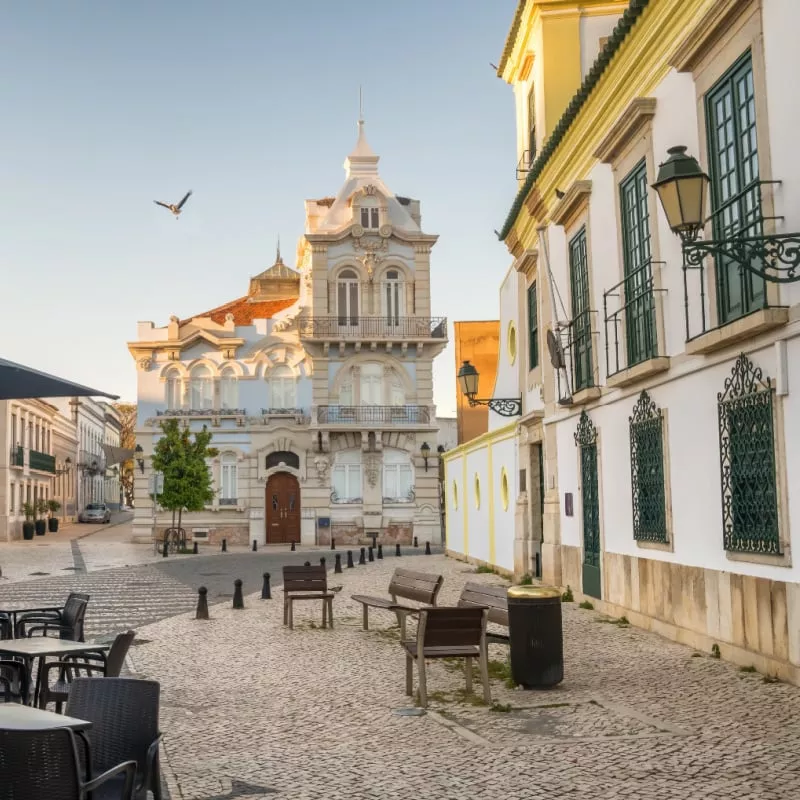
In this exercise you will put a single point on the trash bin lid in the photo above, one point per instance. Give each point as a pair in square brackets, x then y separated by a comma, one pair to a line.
[531, 592]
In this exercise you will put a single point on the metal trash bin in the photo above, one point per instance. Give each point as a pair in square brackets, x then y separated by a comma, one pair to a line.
[535, 636]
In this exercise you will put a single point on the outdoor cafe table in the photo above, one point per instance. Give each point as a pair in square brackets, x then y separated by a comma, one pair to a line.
[14, 717]
[43, 646]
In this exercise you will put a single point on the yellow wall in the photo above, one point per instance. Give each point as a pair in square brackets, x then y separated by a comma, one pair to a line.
[479, 343]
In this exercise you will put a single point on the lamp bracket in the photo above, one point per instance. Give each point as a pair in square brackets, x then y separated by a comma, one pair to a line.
[504, 406]
[774, 257]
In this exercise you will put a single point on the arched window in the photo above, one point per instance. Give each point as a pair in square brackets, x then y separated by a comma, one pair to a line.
[346, 476]
[229, 482]
[201, 388]
[347, 297]
[397, 392]
[173, 390]
[372, 384]
[282, 388]
[392, 297]
[229, 388]
[278, 457]
[398, 475]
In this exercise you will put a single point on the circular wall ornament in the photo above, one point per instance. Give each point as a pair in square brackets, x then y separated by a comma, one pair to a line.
[477, 491]
[358, 231]
[504, 488]
[385, 231]
[512, 342]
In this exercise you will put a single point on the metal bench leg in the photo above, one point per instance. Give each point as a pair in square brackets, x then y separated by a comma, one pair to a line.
[468, 673]
[365, 616]
[409, 675]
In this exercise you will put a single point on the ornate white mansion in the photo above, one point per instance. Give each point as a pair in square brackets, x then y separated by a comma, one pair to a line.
[317, 384]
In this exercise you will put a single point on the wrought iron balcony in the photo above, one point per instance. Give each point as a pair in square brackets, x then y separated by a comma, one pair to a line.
[91, 463]
[361, 327]
[201, 412]
[629, 311]
[43, 462]
[282, 412]
[17, 456]
[228, 501]
[374, 415]
[525, 163]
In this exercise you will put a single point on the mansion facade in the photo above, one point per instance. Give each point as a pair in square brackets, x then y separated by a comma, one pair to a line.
[316, 385]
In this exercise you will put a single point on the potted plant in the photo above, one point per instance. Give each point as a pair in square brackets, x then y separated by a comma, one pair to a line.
[41, 524]
[53, 506]
[27, 526]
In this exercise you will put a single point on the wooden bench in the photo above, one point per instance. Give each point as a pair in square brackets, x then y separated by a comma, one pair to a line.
[492, 598]
[422, 587]
[306, 583]
[448, 633]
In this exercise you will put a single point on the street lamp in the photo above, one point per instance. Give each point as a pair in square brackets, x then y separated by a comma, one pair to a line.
[67, 466]
[425, 451]
[681, 186]
[468, 383]
[139, 457]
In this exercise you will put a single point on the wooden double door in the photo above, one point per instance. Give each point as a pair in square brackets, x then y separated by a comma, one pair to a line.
[283, 508]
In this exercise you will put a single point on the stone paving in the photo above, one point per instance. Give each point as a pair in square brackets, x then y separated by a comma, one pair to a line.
[251, 709]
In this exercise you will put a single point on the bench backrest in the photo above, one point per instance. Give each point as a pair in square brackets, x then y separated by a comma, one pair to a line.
[305, 579]
[451, 627]
[420, 586]
[495, 598]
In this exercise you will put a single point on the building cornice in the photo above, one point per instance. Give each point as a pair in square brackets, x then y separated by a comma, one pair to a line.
[572, 204]
[632, 121]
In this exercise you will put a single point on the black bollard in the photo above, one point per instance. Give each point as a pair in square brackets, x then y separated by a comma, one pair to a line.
[224, 545]
[238, 597]
[349, 559]
[333, 543]
[255, 546]
[322, 561]
[165, 548]
[194, 549]
[370, 555]
[266, 592]
[397, 549]
[361, 558]
[202, 603]
[427, 548]
[337, 565]
[307, 564]
[293, 547]
[380, 551]
[416, 544]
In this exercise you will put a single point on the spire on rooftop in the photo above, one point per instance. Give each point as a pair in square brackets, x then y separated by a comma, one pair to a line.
[362, 161]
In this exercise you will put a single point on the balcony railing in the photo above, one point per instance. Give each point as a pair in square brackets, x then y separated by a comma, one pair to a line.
[91, 463]
[374, 415]
[525, 163]
[360, 327]
[629, 311]
[43, 462]
[17, 457]
[228, 501]
[201, 412]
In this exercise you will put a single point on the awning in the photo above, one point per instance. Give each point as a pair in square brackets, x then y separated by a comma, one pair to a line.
[18, 382]
[116, 455]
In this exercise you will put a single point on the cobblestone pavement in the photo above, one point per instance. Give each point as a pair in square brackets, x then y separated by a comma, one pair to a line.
[251, 709]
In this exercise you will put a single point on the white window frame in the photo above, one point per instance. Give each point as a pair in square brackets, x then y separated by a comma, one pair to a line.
[371, 384]
[229, 477]
[229, 389]
[282, 387]
[172, 390]
[398, 474]
[201, 386]
[346, 476]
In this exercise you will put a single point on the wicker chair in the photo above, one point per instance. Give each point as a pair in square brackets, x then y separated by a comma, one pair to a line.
[68, 621]
[45, 764]
[5, 625]
[124, 717]
[14, 681]
[84, 665]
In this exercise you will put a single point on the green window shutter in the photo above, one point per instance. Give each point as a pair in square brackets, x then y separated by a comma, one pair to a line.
[533, 328]
[638, 299]
[581, 333]
[735, 190]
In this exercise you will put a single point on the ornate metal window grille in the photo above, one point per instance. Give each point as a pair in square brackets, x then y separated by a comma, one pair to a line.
[735, 191]
[278, 457]
[647, 471]
[581, 333]
[586, 440]
[747, 462]
[639, 302]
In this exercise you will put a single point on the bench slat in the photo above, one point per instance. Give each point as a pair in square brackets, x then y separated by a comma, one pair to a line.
[495, 598]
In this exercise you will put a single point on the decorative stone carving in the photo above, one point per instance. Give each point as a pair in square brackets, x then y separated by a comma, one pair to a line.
[373, 251]
[321, 464]
[145, 364]
[372, 469]
[357, 230]
[385, 231]
[369, 190]
[229, 317]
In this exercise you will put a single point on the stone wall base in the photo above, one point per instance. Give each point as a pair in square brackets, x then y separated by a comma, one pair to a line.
[754, 621]
[401, 533]
[235, 534]
[477, 562]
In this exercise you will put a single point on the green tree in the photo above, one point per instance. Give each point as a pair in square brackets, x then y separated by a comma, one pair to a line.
[181, 456]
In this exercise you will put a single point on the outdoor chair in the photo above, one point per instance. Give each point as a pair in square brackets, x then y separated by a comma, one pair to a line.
[306, 583]
[14, 681]
[448, 633]
[6, 629]
[44, 764]
[67, 621]
[97, 664]
[124, 717]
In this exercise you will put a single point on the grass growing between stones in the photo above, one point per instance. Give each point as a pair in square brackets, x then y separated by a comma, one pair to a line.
[620, 622]
[751, 668]
[483, 570]
[586, 604]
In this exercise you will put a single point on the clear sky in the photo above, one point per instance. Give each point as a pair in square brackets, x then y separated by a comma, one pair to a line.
[108, 105]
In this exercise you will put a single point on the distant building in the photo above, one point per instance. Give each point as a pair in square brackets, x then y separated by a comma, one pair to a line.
[316, 384]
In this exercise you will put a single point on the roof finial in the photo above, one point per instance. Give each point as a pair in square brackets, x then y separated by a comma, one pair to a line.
[278, 251]
[360, 107]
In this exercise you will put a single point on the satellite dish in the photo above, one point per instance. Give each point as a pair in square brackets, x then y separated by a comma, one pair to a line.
[556, 351]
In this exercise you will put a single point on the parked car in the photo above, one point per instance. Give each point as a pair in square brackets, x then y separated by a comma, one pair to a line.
[95, 512]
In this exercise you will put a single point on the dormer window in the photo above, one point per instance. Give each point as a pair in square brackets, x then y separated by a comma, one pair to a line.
[369, 219]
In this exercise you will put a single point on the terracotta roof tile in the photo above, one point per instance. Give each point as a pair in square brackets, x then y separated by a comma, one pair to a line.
[244, 311]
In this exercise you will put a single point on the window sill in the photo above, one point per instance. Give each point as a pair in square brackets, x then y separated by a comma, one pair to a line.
[638, 372]
[586, 395]
[764, 319]
[783, 560]
[664, 547]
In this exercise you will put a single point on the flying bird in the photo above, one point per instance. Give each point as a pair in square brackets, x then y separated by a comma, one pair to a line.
[173, 207]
